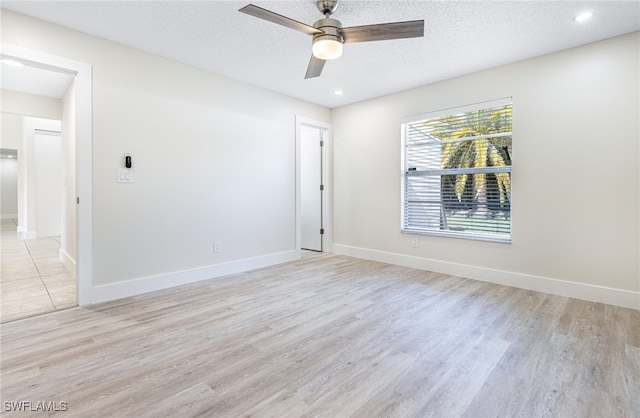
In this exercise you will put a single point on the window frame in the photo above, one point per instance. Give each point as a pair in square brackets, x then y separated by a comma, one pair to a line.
[405, 173]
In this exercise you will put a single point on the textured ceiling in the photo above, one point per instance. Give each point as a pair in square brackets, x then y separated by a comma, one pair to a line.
[460, 37]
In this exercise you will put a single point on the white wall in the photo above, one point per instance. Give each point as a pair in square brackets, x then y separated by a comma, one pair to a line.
[30, 104]
[11, 130]
[575, 212]
[213, 159]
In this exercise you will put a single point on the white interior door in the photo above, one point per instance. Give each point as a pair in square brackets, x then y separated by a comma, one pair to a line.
[310, 185]
[48, 184]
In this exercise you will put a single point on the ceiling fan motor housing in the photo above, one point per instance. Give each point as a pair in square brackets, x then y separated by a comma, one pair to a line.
[331, 29]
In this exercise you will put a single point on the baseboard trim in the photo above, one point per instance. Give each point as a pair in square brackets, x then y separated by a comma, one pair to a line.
[29, 234]
[113, 291]
[67, 260]
[608, 295]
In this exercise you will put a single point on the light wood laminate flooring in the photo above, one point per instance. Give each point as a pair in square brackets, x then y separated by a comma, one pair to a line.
[33, 280]
[329, 336]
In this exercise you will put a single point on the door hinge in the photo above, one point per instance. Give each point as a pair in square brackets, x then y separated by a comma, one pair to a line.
[77, 200]
[321, 143]
[321, 187]
[321, 231]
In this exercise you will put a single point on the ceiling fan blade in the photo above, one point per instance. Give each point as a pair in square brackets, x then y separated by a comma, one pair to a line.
[384, 31]
[265, 14]
[315, 67]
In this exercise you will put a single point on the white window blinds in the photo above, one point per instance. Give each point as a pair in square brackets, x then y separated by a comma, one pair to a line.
[457, 172]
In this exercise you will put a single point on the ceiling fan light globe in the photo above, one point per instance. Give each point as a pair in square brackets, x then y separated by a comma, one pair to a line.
[327, 49]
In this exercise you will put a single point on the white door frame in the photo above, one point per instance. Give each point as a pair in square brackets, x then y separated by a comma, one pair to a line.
[83, 132]
[327, 178]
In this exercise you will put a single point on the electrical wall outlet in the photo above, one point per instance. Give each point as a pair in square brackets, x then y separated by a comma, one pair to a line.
[414, 242]
[217, 246]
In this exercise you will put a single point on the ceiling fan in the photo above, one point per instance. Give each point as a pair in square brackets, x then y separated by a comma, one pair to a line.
[329, 35]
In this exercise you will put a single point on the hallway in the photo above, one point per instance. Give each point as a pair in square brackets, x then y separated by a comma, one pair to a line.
[32, 279]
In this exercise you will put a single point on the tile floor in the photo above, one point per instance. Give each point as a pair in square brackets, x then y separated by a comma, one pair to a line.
[32, 278]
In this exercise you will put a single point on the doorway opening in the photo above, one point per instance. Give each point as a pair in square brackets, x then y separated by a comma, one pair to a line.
[73, 246]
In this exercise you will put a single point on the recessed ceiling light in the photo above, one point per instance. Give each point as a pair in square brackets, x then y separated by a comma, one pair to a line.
[337, 92]
[582, 17]
[12, 63]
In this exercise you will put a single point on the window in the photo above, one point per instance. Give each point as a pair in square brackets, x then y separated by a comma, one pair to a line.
[456, 177]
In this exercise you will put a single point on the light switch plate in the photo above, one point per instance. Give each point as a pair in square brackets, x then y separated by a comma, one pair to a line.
[125, 175]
